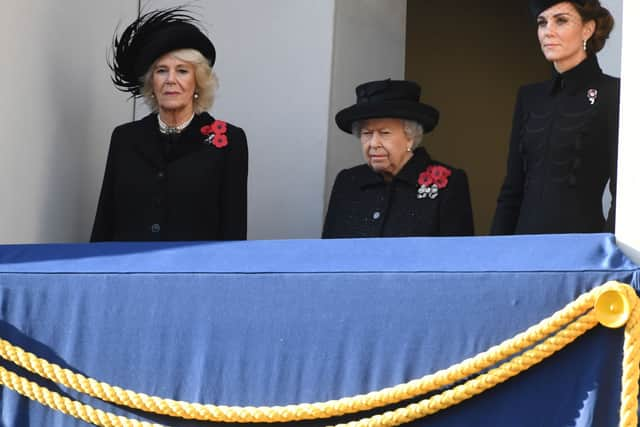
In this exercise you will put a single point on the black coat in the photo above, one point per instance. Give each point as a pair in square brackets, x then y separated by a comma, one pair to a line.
[158, 187]
[362, 204]
[563, 150]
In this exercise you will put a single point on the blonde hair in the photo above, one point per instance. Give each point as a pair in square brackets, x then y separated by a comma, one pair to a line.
[206, 80]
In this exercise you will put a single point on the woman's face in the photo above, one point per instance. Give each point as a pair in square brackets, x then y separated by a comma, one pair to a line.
[385, 145]
[174, 83]
[562, 33]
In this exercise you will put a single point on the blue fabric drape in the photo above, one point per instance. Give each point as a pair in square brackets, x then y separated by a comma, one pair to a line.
[281, 322]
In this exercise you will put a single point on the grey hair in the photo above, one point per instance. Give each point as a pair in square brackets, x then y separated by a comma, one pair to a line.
[414, 132]
[206, 80]
[412, 129]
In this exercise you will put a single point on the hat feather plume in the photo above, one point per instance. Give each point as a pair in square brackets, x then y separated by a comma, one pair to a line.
[128, 47]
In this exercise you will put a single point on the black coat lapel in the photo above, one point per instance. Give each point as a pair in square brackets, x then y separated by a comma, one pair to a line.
[146, 141]
[416, 164]
[190, 140]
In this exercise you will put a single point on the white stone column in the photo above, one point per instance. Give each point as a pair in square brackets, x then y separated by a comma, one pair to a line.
[628, 196]
[369, 44]
[57, 111]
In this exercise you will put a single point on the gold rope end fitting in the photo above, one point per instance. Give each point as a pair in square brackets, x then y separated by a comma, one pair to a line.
[612, 306]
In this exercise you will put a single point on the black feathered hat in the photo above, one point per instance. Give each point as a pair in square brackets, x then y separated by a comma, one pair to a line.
[149, 37]
[538, 6]
[398, 99]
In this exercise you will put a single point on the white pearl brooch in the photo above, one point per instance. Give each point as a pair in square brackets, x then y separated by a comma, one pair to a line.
[428, 191]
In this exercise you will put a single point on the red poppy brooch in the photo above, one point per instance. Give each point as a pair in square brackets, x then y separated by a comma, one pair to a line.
[433, 179]
[215, 134]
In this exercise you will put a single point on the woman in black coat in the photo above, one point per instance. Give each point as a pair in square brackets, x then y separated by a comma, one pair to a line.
[178, 173]
[565, 131]
[401, 190]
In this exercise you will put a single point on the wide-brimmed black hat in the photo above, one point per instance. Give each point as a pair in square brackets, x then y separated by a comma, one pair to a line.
[398, 99]
[149, 37]
[538, 6]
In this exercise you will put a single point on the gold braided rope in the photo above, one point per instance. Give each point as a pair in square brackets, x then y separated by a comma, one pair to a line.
[631, 364]
[482, 382]
[306, 411]
[65, 405]
[544, 330]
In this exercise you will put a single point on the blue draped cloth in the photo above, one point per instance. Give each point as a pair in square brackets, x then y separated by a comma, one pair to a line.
[284, 322]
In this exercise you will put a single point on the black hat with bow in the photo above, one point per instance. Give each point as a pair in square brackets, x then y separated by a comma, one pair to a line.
[538, 6]
[399, 99]
[149, 37]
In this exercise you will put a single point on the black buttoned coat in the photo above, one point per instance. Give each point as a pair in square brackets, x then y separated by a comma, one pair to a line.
[181, 188]
[362, 204]
[563, 150]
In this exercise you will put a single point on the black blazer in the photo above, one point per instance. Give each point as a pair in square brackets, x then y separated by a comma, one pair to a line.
[563, 150]
[362, 204]
[160, 188]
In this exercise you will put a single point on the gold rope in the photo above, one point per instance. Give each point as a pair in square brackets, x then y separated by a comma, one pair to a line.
[630, 363]
[65, 405]
[328, 409]
[545, 330]
[482, 382]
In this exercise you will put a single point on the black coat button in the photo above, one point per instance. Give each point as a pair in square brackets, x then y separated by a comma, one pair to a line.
[160, 175]
[155, 228]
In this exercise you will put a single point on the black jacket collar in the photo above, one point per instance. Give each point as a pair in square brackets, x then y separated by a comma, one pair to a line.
[578, 77]
[408, 174]
[149, 143]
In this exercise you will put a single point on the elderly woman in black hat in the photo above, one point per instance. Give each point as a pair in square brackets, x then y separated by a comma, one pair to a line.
[401, 190]
[565, 130]
[178, 173]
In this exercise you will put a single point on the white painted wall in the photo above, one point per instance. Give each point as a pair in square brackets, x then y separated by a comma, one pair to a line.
[619, 58]
[628, 201]
[609, 57]
[369, 44]
[275, 69]
[57, 109]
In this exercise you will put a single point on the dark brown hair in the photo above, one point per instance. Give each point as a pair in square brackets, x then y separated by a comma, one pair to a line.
[593, 10]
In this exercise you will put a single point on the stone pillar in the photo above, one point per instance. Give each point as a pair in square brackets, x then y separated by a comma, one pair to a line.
[628, 197]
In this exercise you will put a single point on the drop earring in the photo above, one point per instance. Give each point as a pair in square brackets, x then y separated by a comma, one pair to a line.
[584, 45]
[196, 96]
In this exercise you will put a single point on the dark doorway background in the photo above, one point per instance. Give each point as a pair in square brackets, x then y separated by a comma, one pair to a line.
[470, 57]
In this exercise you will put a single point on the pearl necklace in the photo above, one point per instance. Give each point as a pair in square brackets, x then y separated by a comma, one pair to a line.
[172, 130]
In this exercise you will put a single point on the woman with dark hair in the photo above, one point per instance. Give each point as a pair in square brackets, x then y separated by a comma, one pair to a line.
[401, 190]
[178, 173]
[565, 130]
